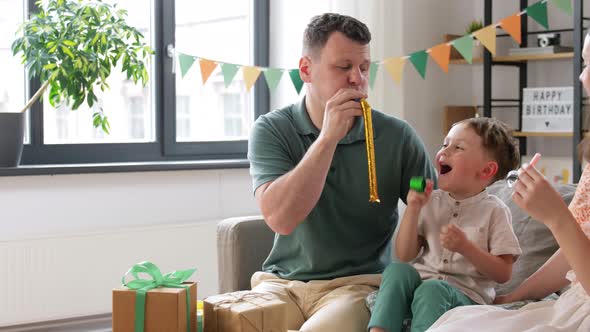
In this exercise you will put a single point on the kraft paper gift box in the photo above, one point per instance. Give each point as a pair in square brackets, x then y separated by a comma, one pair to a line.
[165, 309]
[155, 302]
[245, 311]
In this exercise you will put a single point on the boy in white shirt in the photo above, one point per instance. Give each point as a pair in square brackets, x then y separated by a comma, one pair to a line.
[466, 236]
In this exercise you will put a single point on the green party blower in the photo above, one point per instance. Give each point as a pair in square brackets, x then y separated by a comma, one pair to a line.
[418, 184]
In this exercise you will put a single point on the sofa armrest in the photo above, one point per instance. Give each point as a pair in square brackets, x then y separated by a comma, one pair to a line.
[243, 244]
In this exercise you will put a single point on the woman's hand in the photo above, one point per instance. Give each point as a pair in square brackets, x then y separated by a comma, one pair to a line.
[534, 194]
[507, 298]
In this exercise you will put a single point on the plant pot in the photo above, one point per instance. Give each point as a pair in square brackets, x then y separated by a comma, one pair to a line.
[12, 132]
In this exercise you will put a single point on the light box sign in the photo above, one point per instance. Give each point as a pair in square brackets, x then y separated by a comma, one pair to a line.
[548, 109]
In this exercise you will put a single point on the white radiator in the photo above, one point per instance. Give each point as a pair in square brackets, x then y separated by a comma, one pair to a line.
[69, 276]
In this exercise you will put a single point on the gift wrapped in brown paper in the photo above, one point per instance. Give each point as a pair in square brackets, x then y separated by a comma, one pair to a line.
[160, 302]
[245, 311]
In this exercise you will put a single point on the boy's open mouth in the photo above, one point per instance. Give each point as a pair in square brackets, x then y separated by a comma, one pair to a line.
[444, 169]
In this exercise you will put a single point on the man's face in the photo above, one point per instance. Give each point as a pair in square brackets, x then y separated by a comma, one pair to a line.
[342, 63]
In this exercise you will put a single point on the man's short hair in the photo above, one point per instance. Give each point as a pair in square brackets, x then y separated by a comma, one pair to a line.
[321, 27]
[497, 140]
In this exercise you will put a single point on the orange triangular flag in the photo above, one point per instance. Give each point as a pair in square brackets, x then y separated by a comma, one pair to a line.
[441, 54]
[395, 67]
[250, 76]
[207, 67]
[511, 24]
[487, 36]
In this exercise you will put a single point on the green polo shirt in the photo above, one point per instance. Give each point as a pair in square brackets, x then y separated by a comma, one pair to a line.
[344, 234]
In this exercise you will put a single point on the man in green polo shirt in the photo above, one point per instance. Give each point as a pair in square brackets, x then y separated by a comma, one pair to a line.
[309, 172]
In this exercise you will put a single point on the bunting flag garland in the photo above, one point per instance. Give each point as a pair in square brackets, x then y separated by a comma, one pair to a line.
[185, 61]
[441, 54]
[207, 67]
[419, 60]
[296, 79]
[251, 74]
[511, 24]
[394, 65]
[229, 70]
[273, 76]
[538, 12]
[373, 74]
[487, 36]
[564, 5]
[465, 47]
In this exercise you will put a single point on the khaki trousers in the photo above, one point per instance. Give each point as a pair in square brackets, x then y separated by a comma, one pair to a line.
[336, 305]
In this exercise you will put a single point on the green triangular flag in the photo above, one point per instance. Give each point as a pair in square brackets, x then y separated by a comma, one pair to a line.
[229, 70]
[273, 76]
[296, 79]
[538, 12]
[564, 5]
[465, 46]
[419, 60]
[185, 61]
[373, 74]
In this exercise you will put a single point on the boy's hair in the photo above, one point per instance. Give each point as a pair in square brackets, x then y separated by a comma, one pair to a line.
[496, 138]
[321, 27]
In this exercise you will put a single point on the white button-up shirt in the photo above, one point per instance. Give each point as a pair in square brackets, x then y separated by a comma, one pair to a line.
[485, 220]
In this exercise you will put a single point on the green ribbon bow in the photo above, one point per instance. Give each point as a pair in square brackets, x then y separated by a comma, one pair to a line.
[141, 286]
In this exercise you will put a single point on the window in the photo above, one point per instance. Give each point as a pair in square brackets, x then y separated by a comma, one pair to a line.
[183, 118]
[172, 118]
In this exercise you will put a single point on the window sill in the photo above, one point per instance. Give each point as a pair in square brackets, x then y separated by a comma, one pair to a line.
[123, 167]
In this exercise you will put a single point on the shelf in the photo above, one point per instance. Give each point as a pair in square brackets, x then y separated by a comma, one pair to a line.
[541, 134]
[545, 134]
[520, 58]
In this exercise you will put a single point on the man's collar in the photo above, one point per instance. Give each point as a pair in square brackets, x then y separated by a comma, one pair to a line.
[304, 126]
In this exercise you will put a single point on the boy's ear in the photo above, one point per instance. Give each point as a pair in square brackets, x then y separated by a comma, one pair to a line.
[489, 171]
[305, 69]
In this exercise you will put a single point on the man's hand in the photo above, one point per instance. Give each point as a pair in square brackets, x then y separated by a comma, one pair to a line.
[452, 238]
[340, 114]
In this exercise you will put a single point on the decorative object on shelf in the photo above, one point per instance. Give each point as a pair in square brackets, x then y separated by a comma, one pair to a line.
[548, 39]
[548, 43]
[554, 49]
[72, 46]
[473, 26]
[547, 109]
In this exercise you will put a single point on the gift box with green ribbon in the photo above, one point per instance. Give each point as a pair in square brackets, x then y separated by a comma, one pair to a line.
[157, 303]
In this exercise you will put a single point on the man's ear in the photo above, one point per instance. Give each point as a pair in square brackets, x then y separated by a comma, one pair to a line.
[305, 69]
[489, 171]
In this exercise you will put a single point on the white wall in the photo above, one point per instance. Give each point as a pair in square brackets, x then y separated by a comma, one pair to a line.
[94, 227]
[63, 204]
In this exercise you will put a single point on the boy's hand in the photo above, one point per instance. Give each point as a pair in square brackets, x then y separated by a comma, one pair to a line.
[452, 238]
[417, 200]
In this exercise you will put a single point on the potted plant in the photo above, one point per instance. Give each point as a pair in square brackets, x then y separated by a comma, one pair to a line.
[477, 46]
[477, 51]
[72, 47]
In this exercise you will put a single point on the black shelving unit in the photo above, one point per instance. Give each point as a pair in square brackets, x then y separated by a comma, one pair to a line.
[490, 103]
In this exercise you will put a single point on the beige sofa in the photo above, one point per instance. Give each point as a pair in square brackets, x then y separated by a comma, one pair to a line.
[243, 244]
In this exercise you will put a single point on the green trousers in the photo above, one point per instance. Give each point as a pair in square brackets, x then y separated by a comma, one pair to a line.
[404, 295]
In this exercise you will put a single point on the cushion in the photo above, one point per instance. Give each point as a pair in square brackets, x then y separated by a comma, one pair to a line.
[536, 240]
